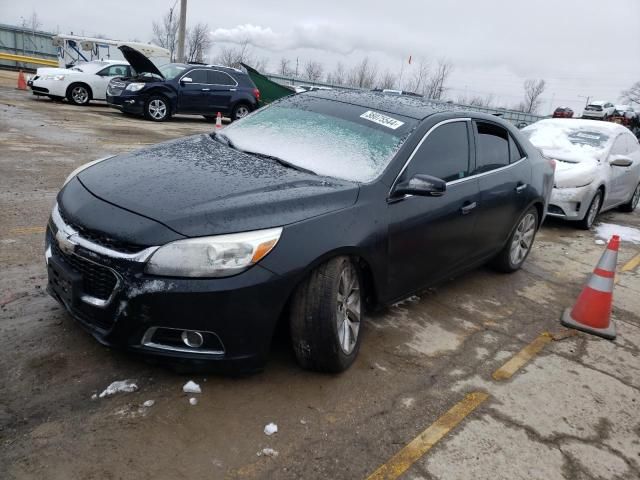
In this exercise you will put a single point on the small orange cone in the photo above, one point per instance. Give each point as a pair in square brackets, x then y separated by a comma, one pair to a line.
[22, 82]
[218, 121]
[592, 311]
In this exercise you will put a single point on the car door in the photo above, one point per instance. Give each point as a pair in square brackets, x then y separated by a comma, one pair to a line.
[221, 89]
[429, 237]
[504, 175]
[193, 90]
[620, 177]
[100, 80]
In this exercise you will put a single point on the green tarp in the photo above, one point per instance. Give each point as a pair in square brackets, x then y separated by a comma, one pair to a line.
[269, 90]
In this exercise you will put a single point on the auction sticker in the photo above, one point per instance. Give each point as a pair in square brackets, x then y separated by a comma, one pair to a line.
[381, 119]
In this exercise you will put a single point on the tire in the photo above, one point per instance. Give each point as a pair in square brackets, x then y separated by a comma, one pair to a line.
[518, 247]
[79, 94]
[592, 212]
[631, 205]
[157, 108]
[55, 98]
[322, 339]
[240, 110]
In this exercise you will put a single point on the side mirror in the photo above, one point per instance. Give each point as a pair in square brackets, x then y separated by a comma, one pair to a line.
[620, 161]
[186, 80]
[423, 185]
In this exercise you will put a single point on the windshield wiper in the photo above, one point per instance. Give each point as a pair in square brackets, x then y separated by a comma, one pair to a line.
[280, 161]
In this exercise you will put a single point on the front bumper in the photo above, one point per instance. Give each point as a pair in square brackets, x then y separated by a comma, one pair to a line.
[237, 314]
[570, 203]
[55, 88]
[129, 104]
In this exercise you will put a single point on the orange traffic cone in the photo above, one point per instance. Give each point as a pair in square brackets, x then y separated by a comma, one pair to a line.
[218, 121]
[22, 82]
[592, 311]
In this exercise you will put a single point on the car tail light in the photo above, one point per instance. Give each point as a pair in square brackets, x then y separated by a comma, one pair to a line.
[256, 93]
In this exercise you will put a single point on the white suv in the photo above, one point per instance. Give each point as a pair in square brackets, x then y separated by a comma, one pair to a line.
[599, 110]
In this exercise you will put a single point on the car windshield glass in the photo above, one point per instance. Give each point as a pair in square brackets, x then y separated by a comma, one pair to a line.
[171, 70]
[574, 142]
[327, 137]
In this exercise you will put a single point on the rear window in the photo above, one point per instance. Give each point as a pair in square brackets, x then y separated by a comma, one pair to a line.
[594, 108]
[330, 138]
[493, 147]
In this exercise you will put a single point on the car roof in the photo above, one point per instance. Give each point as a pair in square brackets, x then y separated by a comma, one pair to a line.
[414, 107]
[206, 66]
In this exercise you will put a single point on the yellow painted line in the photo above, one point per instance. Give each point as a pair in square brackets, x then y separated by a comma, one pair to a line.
[401, 461]
[631, 264]
[522, 357]
[27, 230]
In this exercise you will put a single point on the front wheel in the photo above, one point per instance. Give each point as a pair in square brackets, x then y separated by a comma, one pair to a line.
[157, 108]
[79, 94]
[326, 317]
[517, 249]
[592, 212]
[631, 205]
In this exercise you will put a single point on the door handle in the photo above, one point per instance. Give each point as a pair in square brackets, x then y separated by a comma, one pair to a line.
[468, 207]
[520, 188]
[205, 89]
[233, 89]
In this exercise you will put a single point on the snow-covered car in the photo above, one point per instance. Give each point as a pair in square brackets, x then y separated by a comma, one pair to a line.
[625, 111]
[79, 84]
[597, 167]
[599, 110]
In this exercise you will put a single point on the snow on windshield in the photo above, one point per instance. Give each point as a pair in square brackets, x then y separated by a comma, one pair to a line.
[574, 140]
[325, 144]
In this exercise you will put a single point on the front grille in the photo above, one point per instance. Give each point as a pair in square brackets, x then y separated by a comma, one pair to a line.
[97, 281]
[101, 239]
[115, 88]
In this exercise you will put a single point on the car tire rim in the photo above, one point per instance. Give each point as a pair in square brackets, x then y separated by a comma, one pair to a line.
[157, 109]
[522, 239]
[80, 95]
[242, 112]
[348, 309]
[593, 210]
[636, 198]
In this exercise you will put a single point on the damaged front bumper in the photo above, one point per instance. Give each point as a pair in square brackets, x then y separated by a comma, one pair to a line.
[570, 203]
[228, 322]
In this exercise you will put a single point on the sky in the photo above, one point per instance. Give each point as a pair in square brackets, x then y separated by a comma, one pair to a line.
[579, 47]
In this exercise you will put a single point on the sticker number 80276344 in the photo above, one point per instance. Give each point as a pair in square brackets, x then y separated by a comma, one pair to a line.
[381, 119]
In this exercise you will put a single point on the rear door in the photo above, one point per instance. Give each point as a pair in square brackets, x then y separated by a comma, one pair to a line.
[430, 237]
[504, 175]
[192, 97]
[221, 89]
[623, 179]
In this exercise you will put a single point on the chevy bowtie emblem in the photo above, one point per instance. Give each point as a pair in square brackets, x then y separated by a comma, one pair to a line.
[65, 243]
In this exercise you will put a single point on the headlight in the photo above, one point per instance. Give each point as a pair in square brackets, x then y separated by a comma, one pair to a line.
[82, 167]
[134, 87]
[54, 77]
[217, 256]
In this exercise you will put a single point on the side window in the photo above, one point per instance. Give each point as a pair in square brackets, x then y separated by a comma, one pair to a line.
[444, 154]
[492, 150]
[220, 78]
[632, 142]
[515, 153]
[198, 76]
[619, 146]
[114, 70]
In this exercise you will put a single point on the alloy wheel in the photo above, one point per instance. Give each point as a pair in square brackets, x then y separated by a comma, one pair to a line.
[636, 198]
[80, 95]
[522, 239]
[242, 112]
[594, 208]
[157, 109]
[348, 309]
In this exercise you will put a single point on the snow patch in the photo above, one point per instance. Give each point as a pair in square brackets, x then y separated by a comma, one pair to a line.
[193, 401]
[267, 452]
[626, 234]
[120, 386]
[270, 429]
[150, 287]
[411, 299]
[149, 403]
[191, 387]
[408, 402]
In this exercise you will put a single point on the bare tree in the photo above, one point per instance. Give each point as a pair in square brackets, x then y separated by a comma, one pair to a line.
[632, 95]
[234, 56]
[387, 80]
[198, 42]
[419, 75]
[284, 68]
[338, 76]
[477, 101]
[313, 70]
[363, 74]
[32, 22]
[435, 85]
[533, 89]
[165, 33]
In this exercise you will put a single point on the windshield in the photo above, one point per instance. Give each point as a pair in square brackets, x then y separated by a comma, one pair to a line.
[574, 141]
[171, 70]
[327, 137]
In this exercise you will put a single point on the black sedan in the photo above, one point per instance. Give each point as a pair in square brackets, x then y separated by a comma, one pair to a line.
[310, 211]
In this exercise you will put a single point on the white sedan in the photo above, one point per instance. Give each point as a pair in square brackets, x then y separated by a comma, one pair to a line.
[81, 83]
[597, 167]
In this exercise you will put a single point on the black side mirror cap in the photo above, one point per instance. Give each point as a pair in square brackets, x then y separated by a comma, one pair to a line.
[422, 185]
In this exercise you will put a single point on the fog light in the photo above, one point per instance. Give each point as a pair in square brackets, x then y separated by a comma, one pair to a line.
[192, 339]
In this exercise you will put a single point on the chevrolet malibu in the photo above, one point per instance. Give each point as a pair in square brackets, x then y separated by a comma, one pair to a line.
[311, 211]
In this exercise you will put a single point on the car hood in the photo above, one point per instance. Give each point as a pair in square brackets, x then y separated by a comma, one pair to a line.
[138, 61]
[575, 174]
[196, 186]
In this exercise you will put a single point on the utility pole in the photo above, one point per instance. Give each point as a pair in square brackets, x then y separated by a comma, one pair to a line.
[587, 97]
[182, 26]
